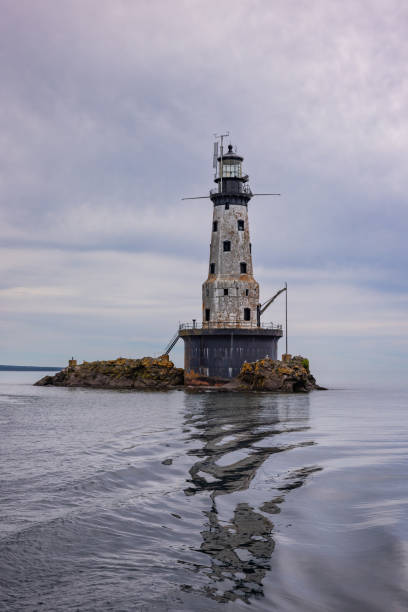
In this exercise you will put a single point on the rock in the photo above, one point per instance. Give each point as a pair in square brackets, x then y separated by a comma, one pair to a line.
[192, 379]
[290, 376]
[144, 373]
[267, 374]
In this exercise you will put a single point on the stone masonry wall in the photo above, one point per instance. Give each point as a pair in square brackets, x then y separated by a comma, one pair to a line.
[227, 273]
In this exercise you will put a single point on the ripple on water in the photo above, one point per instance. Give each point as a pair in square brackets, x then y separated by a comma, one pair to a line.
[170, 501]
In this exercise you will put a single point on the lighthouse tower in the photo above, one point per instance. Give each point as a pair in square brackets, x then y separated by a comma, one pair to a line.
[231, 331]
[230, 293]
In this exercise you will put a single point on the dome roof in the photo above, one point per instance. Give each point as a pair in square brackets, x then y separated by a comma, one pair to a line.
[231, 155]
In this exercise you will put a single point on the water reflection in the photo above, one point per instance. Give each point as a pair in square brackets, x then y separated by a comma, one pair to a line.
[237, 433]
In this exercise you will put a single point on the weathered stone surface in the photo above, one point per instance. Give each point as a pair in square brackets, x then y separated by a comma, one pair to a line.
[229, 289]
[144, 373]
[192, 379]
[159, 373]
[267, 374]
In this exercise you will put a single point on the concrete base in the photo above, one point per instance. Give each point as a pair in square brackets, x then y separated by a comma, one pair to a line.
[221, 352]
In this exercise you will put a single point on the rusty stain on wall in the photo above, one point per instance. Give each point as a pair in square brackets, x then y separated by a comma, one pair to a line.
[228, 269]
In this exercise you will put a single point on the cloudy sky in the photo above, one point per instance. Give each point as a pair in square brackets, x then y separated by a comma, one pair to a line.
[108, 109]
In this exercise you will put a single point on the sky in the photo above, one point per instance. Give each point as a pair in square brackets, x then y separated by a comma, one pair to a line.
[108, 110]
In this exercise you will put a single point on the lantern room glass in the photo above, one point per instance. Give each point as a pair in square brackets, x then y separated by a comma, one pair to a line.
[231, 168]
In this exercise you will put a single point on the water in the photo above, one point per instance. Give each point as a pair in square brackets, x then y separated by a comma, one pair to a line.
[184, 501]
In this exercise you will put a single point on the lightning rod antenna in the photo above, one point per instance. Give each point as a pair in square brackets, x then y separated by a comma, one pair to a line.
[286, 316]
[221, 137]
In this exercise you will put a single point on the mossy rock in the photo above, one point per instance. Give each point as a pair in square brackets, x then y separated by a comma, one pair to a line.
[121, 373]
[273, 375]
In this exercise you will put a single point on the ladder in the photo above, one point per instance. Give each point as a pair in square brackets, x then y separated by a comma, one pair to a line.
[172, 343]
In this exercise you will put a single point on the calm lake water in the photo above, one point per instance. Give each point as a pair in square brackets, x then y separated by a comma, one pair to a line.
[183, 501]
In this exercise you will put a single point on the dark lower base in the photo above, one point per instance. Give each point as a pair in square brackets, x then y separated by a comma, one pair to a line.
[221, 353]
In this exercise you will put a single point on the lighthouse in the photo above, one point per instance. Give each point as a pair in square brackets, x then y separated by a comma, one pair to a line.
[230, 293]
[231, 331]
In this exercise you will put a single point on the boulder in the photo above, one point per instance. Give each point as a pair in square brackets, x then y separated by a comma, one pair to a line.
[289, 376]
[144, 373]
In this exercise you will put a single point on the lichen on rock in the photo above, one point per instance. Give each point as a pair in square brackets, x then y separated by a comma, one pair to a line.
[121, 373]
[290, 376]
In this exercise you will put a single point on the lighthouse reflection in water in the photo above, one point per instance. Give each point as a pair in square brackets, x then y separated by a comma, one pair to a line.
[235, 437]
[146, 501]
[202, 501]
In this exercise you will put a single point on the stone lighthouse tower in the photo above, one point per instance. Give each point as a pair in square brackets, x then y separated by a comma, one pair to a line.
[231, 330]
[230, 293]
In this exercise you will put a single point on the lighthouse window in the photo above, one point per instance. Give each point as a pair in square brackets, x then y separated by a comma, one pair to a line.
[247, 314]
[227, 245]
[243, 267]
[232, 168]
[207, 314]
[227, 206]
[250, 247]
[215, 226]
[212, 268]
[240, 225]
[246, 292]
[225, 291]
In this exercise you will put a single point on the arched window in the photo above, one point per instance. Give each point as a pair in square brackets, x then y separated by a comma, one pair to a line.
[243, 267]
[227, 245]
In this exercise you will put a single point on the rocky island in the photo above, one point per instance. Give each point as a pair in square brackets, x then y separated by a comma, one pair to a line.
[291, 375]
[145, 373]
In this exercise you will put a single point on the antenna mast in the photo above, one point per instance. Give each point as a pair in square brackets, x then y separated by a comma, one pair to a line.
[215, 157]
[286, 316]
[221, 137]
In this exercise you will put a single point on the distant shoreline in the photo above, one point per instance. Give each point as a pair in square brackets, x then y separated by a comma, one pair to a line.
[14, 368]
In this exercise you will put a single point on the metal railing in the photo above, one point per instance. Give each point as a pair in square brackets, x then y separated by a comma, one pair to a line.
[229, 325]
[245, 189]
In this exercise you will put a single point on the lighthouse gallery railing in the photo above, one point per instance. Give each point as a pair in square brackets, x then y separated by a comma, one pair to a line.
[229, 324]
